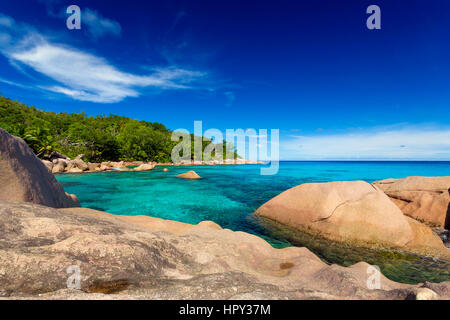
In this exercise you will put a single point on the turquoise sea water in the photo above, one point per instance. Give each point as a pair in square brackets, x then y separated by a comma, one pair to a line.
[228, 195]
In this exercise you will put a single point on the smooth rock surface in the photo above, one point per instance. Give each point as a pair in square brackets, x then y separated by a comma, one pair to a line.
[145, 167]
[93, 166]
[426, 199]
[59, 166]
[77, 164]
[426, 294]
[74, 170]
[119, 164]
[24, 178]
[191, 175]
[131, 257]
[48, 164]
[354, 212]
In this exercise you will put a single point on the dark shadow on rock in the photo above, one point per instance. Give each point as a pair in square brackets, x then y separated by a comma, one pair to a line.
[108, 287]
[447, 217]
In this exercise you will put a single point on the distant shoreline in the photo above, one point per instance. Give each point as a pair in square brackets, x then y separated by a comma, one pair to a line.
[390, 161]
[77, 165]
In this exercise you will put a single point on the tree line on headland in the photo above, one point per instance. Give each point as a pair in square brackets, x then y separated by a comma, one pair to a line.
[99, 138]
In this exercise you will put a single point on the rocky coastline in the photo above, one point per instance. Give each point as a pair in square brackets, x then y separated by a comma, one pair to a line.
[357, 213]
[43, 232]
[59, 163]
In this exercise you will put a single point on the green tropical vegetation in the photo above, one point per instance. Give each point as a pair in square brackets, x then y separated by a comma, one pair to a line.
[99, 138]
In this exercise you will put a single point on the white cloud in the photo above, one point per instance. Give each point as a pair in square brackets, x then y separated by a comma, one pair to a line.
[6, 21]
[12, 83]
[98, 25]
[92, 21]
[412, 142]
[81, 75]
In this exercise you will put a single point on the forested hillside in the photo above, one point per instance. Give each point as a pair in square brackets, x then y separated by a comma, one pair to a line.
[100, 138]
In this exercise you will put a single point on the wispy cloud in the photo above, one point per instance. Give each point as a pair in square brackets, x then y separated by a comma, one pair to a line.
[6, 21]
[82, 75]
[405, 142]
[90, 78]
[92, 21]
[16, 84]
[99, 26]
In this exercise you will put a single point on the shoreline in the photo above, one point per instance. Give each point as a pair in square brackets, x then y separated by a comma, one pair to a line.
[64, 164]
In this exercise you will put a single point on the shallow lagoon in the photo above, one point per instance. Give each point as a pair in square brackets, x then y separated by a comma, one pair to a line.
[228, 195]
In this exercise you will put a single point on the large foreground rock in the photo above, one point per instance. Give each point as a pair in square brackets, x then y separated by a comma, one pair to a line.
[354, 212]
[426, 199]
[48, 164]
[23, 177]
[147, 258]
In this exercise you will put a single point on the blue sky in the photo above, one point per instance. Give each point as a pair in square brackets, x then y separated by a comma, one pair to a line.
[311, 69]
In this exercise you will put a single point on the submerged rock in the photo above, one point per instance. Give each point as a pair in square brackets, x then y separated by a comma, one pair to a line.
[354, 212]
[426, 199]
[149, 258]
[24, 178]
[191, 175]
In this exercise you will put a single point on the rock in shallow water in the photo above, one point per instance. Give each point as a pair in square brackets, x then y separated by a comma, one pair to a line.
[191, 175]
[77, 165]
[145, 167]
[353, 212]
[426, 199]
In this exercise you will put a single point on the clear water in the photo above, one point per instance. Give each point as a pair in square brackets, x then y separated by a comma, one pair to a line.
[228, 195]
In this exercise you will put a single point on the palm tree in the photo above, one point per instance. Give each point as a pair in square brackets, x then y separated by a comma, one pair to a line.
[40, 141]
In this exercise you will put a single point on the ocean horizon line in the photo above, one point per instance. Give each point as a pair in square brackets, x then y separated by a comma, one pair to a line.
[354, 160]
